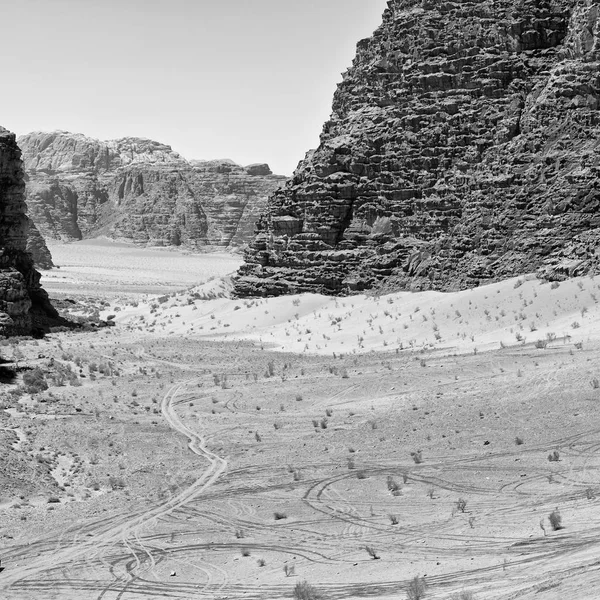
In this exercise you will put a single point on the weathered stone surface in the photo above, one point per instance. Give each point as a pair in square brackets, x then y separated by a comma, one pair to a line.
[23, 303]
[140, 190]
[36, 246]
[462, 148]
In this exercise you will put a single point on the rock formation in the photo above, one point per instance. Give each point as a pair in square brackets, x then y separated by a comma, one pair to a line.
[463, 147]
[24, 305]
[36, 246]
[141, 191]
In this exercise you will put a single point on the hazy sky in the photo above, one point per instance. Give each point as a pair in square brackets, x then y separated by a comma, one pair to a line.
[250, 80]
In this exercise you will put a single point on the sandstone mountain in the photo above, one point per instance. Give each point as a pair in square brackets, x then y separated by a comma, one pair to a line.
[141, 191]
[463, 147]
[24, 305]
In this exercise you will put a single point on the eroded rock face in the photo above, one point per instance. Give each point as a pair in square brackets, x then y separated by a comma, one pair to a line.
[36, 246]
[141, 191]
[462, 148]
[23, 303]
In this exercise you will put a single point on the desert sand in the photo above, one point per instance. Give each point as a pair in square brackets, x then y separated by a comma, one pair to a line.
[214, 447]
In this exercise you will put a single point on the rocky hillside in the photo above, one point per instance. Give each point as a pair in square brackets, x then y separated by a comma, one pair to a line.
[24, 305]
[139, 190]
[463, 147]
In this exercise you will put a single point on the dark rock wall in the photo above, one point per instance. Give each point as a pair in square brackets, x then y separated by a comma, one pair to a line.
[23, 303]
[141, 191]
[462, 148]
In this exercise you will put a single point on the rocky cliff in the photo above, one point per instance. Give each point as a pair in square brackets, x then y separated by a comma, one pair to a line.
[141, 191]
[462, 148]
[24, 305]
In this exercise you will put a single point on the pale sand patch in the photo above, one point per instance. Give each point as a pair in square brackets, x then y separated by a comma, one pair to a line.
[514, 312]
[109, 269]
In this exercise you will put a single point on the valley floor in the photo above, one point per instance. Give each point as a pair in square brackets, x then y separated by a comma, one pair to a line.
[171, 460]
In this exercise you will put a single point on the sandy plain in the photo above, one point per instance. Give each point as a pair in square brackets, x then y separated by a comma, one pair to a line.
[213, 447]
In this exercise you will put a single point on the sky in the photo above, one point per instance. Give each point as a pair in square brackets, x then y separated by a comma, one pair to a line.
[250, 80]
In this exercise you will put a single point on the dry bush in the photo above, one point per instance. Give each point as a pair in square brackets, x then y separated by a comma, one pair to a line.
[416, 589]
[417, 457]
[289, 570]
[305, 591]
[372, 552]
[555, 519]
[461, 505]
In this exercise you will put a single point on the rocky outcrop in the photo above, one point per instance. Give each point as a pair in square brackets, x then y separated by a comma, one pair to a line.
[141, 191]
[24, 305]
[463, 147]
[36, 246]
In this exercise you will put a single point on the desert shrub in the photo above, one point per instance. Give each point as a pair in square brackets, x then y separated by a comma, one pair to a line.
[261, 562]
[541, 344]
[461, 505]
[372, 552]
[416, 589]
[289, 570]
[554, 456]
[417, 457]
[393, 519]
[35, 381]
[393, 486]
[305, 591]
[595, 383]
[279, 515]
[519, 441]
[555, 519]
[245, 551]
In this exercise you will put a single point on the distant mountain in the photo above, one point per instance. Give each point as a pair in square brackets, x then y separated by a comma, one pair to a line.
[139, 190]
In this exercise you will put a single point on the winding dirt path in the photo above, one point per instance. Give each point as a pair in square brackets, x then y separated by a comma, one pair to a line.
[128, 532]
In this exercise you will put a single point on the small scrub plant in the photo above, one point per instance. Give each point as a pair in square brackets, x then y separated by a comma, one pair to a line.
[289, 570]
[555, 519]
[461, 505]
[305, 591]
[261, 562]
[372, 552]
[279, 516]
[393, 519]
[595, 383]
[416, 589]
[245, 551]
[519, 441]
[554, 456]
[417, 457]
[393, 486]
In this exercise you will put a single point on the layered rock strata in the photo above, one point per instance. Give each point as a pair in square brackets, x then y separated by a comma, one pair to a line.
[24, 305]
[141, 191]
[462, 148]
